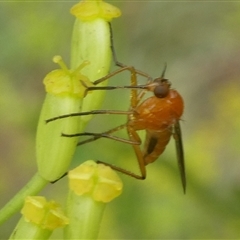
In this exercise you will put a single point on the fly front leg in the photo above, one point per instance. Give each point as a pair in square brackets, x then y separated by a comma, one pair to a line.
[131, 69]
[119, 64]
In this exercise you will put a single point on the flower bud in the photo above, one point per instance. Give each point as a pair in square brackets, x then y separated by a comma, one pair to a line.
[64, 92]
[92, 23]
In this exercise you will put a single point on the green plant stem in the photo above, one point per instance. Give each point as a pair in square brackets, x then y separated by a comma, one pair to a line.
[30, 231]
[35, 185]
[85, 216]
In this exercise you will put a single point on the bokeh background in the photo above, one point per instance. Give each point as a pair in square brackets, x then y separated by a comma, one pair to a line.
[200, 41]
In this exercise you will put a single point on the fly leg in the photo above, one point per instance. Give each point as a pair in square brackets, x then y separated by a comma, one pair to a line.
[119, 64]
[133, 136]
[122, 68]
[107, 134]
[134, 140]
[93, 112]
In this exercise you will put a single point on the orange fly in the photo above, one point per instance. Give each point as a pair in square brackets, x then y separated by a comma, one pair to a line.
[159, 115]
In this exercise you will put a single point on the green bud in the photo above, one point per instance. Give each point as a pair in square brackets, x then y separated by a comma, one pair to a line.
[92, 24]
[65, 91]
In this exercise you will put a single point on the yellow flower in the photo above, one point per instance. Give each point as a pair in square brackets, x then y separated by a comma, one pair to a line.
[48, 215]
[63, 82]
[89, 10]
[98, 180]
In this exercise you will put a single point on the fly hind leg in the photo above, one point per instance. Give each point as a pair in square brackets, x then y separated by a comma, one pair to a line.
[133, 136]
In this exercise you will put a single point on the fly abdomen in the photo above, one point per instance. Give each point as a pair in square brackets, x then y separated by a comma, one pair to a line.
[155, 144]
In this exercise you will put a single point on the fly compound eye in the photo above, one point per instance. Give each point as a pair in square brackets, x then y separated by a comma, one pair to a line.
[161, 91]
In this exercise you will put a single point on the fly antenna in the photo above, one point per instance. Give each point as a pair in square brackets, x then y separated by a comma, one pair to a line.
[164, 70]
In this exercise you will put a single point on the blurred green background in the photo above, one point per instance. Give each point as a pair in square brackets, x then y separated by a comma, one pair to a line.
[200, 41]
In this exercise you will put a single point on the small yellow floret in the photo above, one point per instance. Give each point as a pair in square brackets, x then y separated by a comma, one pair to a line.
[64, 82]
[47, 215]
[82, 176]
[90, 10]
[108, 186]
[98, 180]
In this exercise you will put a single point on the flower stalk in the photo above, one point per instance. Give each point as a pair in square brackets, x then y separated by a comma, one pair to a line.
[34, 186]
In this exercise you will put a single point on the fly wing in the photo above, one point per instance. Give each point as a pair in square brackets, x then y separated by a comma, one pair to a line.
[180, 154]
